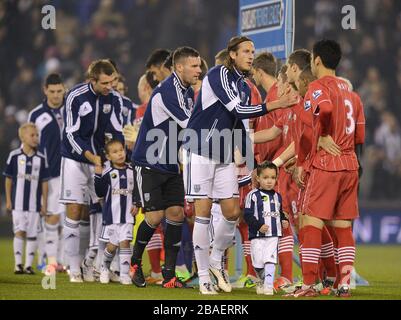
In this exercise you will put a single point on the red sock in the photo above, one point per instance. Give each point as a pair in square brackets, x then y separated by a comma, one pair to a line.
[285, 249]
[154, 259]
[248, 258]
[311, 254]
[322, 270]
[154, 248]
[335, 245]
[327, 255]
[346, 253]
[246, 245]
[301, 240]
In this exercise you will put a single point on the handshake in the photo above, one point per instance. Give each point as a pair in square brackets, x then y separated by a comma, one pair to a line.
[130, 132]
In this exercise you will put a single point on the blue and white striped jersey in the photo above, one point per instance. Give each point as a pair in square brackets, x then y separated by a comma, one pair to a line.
[168, 111]
[27, 174]
[89, 119]
[264, 207]
[50, 125]
[222, 103]
[116, 186]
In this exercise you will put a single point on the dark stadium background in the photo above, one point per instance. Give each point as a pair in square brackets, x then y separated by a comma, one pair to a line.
[128, 30]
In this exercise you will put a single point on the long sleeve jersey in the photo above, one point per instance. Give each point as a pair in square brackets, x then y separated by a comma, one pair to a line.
[50, 125]
[167, 113]
[218, 111]
[89, 119]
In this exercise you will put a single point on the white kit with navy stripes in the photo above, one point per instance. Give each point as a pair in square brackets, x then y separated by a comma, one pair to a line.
[116, 186]
[264, 207]
[27, 174]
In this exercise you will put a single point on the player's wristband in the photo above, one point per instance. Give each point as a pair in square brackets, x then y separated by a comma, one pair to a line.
[278, 162]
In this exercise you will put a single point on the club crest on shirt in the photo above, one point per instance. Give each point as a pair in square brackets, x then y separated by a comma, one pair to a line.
[147, 196]
[285, 130]
[35, 168]
[124, 111]
[197, 188]
[307, 105]
[106, 108]
[234, 87]
[113, 175]
[316, 94]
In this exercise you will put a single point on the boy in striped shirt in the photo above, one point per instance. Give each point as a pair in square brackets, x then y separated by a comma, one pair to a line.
[26, 194]
[116, 184]
[266, 221]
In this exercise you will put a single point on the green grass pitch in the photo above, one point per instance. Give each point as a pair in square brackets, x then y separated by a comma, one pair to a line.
[380, 265]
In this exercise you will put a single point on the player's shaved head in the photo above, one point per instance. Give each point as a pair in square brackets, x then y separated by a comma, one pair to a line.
[182, 53]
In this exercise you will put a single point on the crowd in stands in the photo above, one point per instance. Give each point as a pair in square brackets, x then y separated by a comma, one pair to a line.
[128, 30]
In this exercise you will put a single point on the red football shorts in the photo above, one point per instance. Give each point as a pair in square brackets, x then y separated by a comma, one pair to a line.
[331, 195]
[289, 193]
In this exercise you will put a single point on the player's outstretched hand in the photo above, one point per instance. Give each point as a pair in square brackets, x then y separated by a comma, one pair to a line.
[291, 98]
[130, 133]
[327, 143]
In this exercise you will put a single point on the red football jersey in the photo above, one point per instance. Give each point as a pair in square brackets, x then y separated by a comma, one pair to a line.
[360, 119]
[285, 123]
[268, 150]
[334, 112]
[140, 112]
[256, 98]
[303, 134]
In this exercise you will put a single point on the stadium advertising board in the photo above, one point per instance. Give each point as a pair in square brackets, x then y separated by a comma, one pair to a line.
[270, 24]
[375, 227]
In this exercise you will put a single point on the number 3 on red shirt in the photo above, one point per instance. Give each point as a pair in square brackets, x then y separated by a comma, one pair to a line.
[351, 128]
